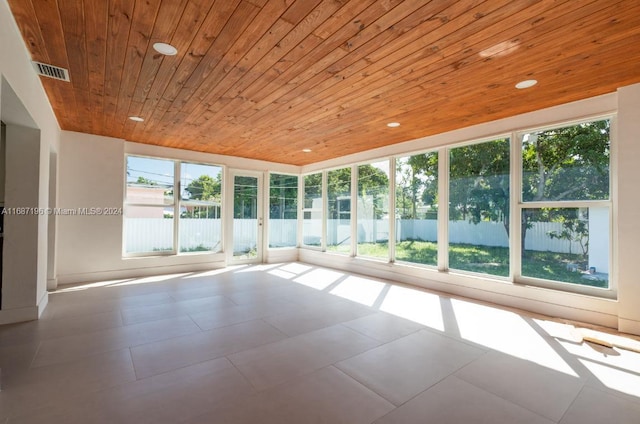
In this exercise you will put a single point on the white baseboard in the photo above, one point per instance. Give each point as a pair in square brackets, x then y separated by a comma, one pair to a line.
[52, 283]
[42, 303]
[11, 316]
[629, 326]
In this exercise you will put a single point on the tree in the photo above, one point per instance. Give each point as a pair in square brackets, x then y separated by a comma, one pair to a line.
[574, 229]
[479, 182]
[373, 183]
[205, 187]
[416, 182]
[146, 181]
[283, 197]
[245, 197]
[570, 163]
[339, 185]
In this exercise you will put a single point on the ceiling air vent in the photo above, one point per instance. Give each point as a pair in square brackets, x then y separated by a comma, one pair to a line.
[51, 71]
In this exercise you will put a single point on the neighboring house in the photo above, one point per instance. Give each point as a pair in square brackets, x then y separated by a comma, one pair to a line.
[148, 195]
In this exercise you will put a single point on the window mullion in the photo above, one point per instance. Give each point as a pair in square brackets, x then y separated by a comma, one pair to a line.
[392, 209]
[324, 211]
[354, 210]
[176, 206]
[443, 209]
[515, 209]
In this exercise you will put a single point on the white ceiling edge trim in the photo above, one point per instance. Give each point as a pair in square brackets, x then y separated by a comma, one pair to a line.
[599, 105]
[134, 148]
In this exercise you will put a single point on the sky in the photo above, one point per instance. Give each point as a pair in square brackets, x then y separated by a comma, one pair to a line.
[161, 171]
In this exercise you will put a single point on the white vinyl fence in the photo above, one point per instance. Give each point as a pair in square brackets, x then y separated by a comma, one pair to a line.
[154, 234]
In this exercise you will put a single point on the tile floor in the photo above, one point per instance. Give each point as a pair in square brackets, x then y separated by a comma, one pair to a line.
[294, 343]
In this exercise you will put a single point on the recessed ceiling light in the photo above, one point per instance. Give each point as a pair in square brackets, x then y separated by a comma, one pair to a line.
[526, 84]
[393, 124]
[306, 150]
[136, 118]
[165, 49]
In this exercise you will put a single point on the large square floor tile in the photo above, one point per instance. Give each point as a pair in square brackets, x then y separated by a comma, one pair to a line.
[275, 363]
[325, 396]
[454, 401]
[544, 391]
[593, 406]
[159, 357]
[401, 369]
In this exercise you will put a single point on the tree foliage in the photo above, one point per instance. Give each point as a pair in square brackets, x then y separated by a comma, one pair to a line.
[479, 182]
[205, 187]
[146, 181]
[416, 184]
[570, 163]
[283, 196]
[373, 184]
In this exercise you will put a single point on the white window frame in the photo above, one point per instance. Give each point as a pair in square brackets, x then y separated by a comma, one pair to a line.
[444, 159]
[268, 203]
[520, 204]
[355, 173]
[326, 209]
[177, 203]
[302, 209]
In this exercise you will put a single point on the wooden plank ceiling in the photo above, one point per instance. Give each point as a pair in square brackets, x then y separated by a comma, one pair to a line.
[265, 79]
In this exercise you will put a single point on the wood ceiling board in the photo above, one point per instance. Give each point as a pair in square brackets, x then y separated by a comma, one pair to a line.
[377, 78]
[331, 95]
[484, 76]
[264, 79]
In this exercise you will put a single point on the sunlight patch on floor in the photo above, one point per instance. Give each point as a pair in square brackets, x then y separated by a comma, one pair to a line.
[151, 279]
[361, 290]
[506, 332]
[282, 274]
[213, 272]
[93, 285]
[619, 358]
[559, 330]
[415, 305]
[319, 279]
[259, 267]
[615, 379]
[296, 268]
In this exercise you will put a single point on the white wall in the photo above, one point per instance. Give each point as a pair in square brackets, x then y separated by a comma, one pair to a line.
[626, 233]
[24, 105]
[92, 175]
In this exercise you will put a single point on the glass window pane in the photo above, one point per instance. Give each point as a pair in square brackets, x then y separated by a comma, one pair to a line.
[283, 210]
[570, 245]
[200, 207]
[200, 228]
[312, 219]
[245, 217]
[417, 209]
[373, 210]
[339, 210]
[149, 181]
[479, 208]
[200, 183]
[570, 163]
[148, 229]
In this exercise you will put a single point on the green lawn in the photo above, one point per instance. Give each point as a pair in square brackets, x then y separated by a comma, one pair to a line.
[486, 260]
